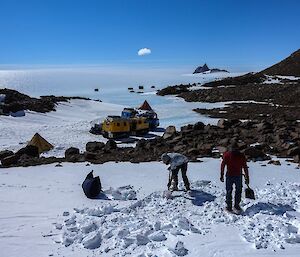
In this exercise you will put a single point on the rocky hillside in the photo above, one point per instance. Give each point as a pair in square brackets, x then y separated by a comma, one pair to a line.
[288, 67]
[14, 101]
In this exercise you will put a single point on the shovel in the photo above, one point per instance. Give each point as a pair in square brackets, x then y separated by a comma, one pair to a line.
[249, 193]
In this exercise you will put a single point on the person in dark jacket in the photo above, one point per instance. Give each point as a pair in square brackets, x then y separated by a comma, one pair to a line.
[236, 163]
[177, 162]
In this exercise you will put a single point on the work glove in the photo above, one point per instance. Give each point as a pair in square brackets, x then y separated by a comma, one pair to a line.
[222, 178]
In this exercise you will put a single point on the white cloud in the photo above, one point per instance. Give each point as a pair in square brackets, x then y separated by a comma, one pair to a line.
[144, 51]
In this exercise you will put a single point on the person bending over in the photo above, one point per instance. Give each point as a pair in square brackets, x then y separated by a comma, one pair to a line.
[177, 162]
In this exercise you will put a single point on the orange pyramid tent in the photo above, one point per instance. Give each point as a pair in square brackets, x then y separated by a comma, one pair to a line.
[145, 106]
[41, 143]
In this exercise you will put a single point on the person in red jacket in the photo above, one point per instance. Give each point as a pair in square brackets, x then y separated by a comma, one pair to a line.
[236, 163]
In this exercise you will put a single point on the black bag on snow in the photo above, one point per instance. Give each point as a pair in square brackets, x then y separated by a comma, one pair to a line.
[91, 185]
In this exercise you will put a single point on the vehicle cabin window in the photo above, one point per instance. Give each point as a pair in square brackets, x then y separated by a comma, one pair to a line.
[140, 122]
[125, 124]
[118, 124]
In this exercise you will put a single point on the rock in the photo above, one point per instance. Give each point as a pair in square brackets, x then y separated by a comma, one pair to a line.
[169, 132]
[222, 123]
[274, 162]
[293, 151]
[296, 158]
[193, 151]
[94, 146]
[27, 160]
[253, 153]
[90, 156]
[111, 145]
[10, 160]
[264, 126]
[199, 126]
[71, 154]
[201, 69]
[141, 143]
[29, 150]
[5, 153]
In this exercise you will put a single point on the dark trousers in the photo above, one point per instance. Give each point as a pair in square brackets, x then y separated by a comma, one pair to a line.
[238, 182]
[174, 176]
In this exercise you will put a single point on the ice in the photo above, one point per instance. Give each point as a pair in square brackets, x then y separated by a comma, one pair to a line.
[179, 249]
[2, 98]
[92, 241]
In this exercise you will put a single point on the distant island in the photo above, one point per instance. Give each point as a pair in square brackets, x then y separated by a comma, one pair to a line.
[205, 69]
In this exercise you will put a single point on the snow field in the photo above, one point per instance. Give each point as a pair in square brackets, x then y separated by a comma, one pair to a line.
[268, 223]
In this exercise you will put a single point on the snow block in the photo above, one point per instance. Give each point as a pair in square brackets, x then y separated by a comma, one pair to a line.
[92, 240]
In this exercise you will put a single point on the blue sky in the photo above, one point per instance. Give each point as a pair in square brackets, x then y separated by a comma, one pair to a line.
[238, 35]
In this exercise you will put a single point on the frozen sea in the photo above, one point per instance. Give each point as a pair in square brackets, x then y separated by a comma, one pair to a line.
[112, 83]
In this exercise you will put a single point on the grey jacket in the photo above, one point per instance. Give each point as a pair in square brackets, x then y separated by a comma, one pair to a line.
[177, 160]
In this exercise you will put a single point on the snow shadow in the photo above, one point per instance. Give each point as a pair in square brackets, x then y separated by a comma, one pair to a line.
[200, 197]
[102, 196]
[268, 208]
[160, 130]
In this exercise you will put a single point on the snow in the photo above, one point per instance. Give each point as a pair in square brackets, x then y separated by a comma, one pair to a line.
[2, 98]
[46, 212]
[69, 125]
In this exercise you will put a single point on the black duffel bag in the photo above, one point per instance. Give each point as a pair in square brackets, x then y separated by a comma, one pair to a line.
[91, 186]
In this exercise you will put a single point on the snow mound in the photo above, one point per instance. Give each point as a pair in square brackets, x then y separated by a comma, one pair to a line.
[148, 224]
[122, 193]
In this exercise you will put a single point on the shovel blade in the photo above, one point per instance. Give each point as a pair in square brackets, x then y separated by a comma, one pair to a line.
[249, 193]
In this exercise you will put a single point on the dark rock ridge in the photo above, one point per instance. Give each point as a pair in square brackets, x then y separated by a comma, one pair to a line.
[204, 68]
[258, 139]
[278, 99]
[15, 101]
[287, 67]
[175, 90]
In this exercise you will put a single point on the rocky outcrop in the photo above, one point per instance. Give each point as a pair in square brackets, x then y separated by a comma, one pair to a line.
[204, 69]
[16, 102]
[174, 90]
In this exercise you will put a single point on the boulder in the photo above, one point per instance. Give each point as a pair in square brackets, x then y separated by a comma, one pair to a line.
[296, 158]
[90, 156]
[5, 153]
[27, 160]
[199, 126]
[10, 160]
[141, 143]
[94, 146]
[71, 154]
[111, 145]
[29, 150]
[254, 153]
[293, 151]
[169, 132]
